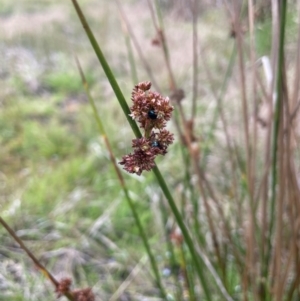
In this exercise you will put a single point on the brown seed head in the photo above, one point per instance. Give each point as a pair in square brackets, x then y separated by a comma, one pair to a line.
[152, 111]
[138, 161]
[144, 86]
[150, 108]
[63, 287]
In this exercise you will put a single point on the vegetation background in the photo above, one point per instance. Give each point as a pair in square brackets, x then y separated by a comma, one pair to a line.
[59, 191]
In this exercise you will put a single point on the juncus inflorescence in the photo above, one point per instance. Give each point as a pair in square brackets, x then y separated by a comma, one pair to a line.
[151, 111]
[64, 287]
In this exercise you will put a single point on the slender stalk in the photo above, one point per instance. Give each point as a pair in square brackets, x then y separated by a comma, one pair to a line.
[197, 260]
[199, 264]
[211, 223]
[277, 121]
[187, 275]
[123, 185]
[188, 131]
[248, 146]
[292, 203]
[294, 194]
[239, 41]
[161, 32]
[268, 145]
[189, 187]
[277, 276]
[215, 276]
[252, 233]
[235, 248]
[107, 69]
[171, 251]
[44, 271]
[284, 159]
[194, 10]
[297, 72]
[147, 246]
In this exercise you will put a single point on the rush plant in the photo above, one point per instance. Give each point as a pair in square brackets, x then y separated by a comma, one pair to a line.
[230, 204]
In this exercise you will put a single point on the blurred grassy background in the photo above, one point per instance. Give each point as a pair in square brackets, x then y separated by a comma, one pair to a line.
[57, 188]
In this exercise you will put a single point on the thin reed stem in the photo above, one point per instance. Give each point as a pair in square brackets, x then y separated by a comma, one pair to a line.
[106, 69]
[187, 275]
[295, 92]
[44, 271]
[197, 261]
[276, 124]
[171, 251]
[276, 277]
[194, 10]
[253, 231]
[123, 185]
[239, 41]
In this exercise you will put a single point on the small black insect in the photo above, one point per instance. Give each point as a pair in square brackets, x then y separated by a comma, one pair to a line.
[152, 114]
[155, 143]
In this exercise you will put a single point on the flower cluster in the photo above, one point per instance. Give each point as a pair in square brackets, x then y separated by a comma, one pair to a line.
[151, 111]
[64, 287]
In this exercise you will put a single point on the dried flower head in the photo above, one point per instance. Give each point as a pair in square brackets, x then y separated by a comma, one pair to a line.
[138, 161]
[84, 294]
[152, 111]
[63, 287]
[159, 141]
[149, 108]
[165, 137]
[144, 86]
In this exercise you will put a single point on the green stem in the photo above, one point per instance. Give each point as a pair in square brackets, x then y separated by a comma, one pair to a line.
[276, 124]
[171, 253]
[107, 70]
[123, 185]
[197, 260]
[146, 244]
[188, 186]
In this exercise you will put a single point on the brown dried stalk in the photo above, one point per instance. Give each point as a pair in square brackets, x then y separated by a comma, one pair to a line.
[44, 271]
